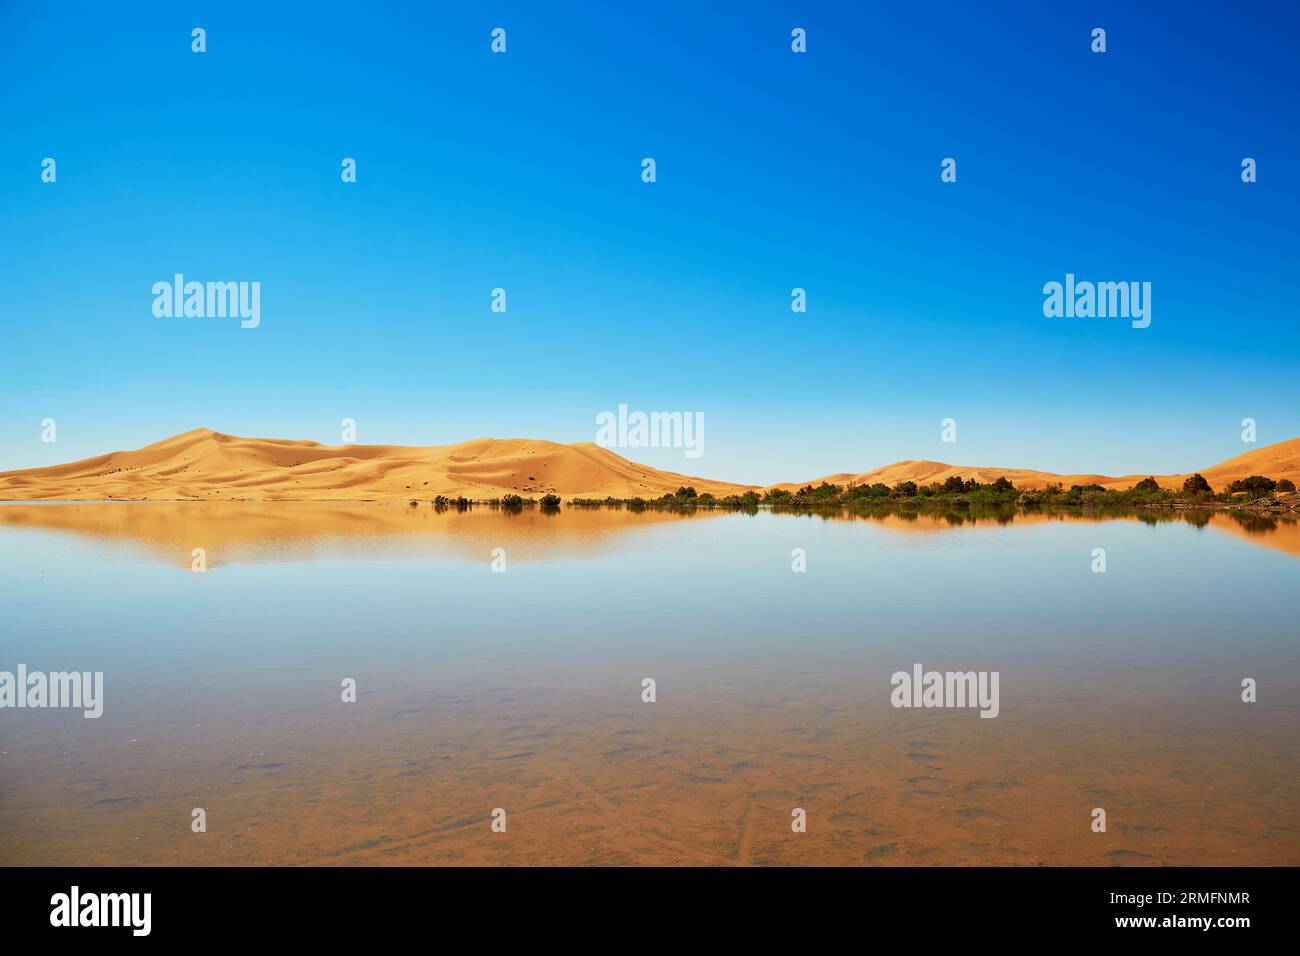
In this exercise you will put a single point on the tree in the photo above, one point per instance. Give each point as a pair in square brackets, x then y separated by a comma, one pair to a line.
[954, 485]
[1147, 484]
[1286, 484]
[1254, 485]
[1196, 484]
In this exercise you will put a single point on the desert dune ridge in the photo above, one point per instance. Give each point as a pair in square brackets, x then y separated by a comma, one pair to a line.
[206, 465]
[1277, 461]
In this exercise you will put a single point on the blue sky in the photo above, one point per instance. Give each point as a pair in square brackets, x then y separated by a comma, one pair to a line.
[775, 170]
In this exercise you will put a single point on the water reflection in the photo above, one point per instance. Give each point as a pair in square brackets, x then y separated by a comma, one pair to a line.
[523, 690]
[253, 531]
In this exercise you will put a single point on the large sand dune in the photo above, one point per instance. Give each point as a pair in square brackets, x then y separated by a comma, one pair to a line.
[209, 466]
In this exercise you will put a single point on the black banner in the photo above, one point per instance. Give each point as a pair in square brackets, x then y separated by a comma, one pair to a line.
[979, 905]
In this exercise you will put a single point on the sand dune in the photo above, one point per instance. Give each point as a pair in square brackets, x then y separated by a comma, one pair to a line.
[205, 465]
[1273, 461]
[209, 466]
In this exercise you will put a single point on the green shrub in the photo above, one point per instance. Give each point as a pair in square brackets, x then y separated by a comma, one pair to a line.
[1255, 486]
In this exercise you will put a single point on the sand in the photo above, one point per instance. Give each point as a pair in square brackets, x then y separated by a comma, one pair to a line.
[209, 466]
[1278, 461]
[205, 465]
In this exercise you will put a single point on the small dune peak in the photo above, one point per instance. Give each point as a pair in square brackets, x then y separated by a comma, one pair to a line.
[184, 439]
[207, 434]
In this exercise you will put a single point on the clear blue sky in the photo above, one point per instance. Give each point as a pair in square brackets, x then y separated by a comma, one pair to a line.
[775, 170]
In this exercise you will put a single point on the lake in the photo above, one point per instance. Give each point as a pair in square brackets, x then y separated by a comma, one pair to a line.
[522, 688]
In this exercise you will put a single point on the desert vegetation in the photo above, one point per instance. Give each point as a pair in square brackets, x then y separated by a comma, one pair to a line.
[957, 493]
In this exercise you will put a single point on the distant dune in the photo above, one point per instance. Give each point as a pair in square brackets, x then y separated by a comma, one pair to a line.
[208, 466]
[1273, 461]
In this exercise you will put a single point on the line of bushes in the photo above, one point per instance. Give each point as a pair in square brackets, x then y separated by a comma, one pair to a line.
[952, 492]
[956, 491]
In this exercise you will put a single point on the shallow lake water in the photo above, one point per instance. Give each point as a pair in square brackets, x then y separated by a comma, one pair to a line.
[522, 689]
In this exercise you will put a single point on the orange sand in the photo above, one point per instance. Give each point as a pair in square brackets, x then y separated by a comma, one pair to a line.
[1273, 461]
[208, 466]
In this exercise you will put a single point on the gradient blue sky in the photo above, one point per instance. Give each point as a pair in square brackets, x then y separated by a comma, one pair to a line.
[775, 171]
